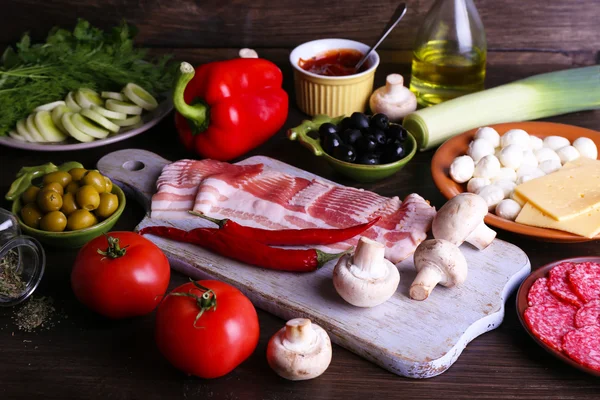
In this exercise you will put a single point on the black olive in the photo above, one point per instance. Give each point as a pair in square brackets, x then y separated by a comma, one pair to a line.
[360, 120]
[396, 132]
[350, 136]
[366, 144]
[379, 135]
[331, 142]
[327, 129]
[368, 159]
[393, 152]
[346, 123]
[380, 121]
[345, 152]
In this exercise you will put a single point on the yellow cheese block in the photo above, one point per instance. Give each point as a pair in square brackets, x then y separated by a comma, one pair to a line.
[571, 191]
[586, 224]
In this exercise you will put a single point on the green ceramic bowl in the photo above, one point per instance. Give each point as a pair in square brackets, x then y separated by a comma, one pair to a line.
[358, 172]
[72, 239]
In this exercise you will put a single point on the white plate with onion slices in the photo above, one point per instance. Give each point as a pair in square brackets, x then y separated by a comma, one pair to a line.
[149, 119]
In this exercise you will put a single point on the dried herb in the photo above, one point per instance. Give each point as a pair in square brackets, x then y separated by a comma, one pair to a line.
[36, 313]
[11, 284]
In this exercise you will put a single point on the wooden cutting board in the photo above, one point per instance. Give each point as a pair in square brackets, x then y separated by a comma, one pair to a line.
[409, 338]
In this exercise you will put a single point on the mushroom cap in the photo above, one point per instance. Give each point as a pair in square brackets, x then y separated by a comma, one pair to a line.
[445, 256]
[460, 216]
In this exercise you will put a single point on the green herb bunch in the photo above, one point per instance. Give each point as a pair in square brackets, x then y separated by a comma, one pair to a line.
[35, 74]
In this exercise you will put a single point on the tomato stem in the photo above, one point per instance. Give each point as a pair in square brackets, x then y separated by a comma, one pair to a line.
[205, 302]
[114, 250]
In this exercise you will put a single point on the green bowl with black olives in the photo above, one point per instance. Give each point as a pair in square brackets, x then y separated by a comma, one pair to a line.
[363, 160]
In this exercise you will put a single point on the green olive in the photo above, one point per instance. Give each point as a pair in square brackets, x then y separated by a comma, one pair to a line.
[95, 179]
[80, 219]
[87, 197]
[48, 200]
[77, 173]
[30, 194]
[62, 177]
[54, 221]
[55, 186]
[109, 184]
[31, 215]
[72, 187]
[108, 204]
[69, 204]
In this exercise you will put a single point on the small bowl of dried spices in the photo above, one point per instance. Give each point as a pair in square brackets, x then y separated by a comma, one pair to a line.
[22, 262]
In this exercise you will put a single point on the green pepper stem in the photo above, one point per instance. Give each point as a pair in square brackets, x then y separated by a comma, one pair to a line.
[197, 113]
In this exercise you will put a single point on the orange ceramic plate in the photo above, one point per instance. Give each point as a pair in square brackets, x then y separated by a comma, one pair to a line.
[457, 146]
[522, 305]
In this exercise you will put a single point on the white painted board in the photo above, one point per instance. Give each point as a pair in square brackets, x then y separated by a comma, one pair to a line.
[409, 338]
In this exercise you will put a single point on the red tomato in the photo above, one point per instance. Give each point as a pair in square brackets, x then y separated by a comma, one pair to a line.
[129, 285]
[218, 341]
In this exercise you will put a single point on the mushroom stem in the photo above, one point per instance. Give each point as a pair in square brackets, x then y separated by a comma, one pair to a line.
[368, 259]
[427, 279]
[481, 237]
[394, 85]
[299, 335]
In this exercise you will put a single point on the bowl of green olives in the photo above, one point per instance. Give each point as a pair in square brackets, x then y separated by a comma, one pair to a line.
[65, 206]
[364, 148]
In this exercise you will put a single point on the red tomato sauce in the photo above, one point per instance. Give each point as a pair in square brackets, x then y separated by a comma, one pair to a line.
[338, 62]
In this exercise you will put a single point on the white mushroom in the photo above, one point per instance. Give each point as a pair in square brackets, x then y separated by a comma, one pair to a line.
[529, 158]
[505, 174]
[487, 167]
[479, 148]
[567, 153]
[511, 156]
[461, 220]
[492, 195]
[393, 99]
[477, 183]
[555, 142]
[248, 53]
[549, 166]
[366, 279]
[462, 168]
[506, 185]
[508, 209]
[546, 153]
[489, 134]
[515, 136]
[586, 147]
[301, 350]
[535, 143]
[437, 261]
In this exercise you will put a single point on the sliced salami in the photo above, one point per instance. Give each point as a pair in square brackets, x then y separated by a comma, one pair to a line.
[550, 322]
[583, 346]
[539, 293]
[589, 314]
[558, 284]
[584, 279]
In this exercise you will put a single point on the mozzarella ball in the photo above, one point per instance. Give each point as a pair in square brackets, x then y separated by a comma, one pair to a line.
[549, 166]
[534, 173]
[487, 167]
[529, 158]
[586, 147]
[511, 156]
[555, 142]
[535, 143]
[508, 209]
[479, 148]
[526, 170]
[567, 153]
[545, 153]
[477, 183]
[507, 186]
[492, 195]
[515, 136]
[462, 168]
[508, 174]
[489, 134]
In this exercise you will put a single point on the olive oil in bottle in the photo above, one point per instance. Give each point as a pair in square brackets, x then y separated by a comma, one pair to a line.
[450, 53]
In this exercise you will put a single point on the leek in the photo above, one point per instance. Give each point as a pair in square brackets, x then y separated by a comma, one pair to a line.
[531, 98]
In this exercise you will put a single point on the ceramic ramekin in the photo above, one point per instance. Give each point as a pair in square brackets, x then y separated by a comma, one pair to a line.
[332, 95]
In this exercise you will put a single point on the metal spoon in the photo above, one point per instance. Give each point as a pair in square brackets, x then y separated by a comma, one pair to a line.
[398, 14]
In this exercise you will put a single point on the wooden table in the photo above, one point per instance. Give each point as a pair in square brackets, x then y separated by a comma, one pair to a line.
[87, 356]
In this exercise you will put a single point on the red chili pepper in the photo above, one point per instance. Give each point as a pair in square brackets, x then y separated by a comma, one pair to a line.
[290, 237]
[247, 250]
[227, 108]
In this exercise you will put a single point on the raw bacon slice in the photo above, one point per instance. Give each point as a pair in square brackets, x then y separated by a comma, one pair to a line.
[559, 285]
[583, 346]
[585, 281]
[539, 294]
[550, 323]
[589, 314]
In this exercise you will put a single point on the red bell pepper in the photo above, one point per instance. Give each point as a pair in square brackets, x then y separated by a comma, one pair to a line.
[227, 108]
